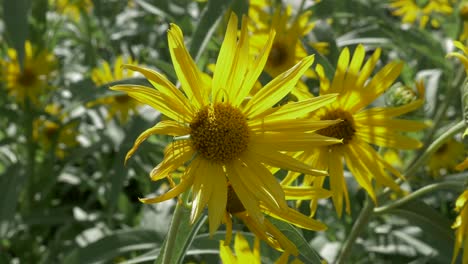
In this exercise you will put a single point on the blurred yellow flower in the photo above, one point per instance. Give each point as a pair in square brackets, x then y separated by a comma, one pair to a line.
[32, 81]
[287, 48]
[359, 128]
[222, 138]
[243, 254]
[412, 11]
[461, 226]
[72, 8]
[446, 158]
[54, 131]
[462, 57]
[122, 105]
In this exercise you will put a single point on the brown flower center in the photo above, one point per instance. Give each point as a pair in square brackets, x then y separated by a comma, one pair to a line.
[219, 132]
[278, 54]
[344, 130]
[27, 77]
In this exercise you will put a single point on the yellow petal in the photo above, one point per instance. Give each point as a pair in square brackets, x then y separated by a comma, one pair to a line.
[156, 100]
[175, 155]
[305, 193]
[166, 127]
[295, 218]
[276, 89]
[218, 198]
[187, 72]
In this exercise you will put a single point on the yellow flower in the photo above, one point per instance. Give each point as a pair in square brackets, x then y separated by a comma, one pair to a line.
[463, 57]
[446, 158]
[72, 8]
[423, 11]
[463, 165]
[461, 226]
[287, 48]
[223, 138]
[243, 254]
[359, 128]
[118, 105]
[32, 81]
[54, 131]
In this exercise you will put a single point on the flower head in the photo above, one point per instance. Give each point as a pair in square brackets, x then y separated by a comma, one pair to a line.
[118, 105]
[461, 226]
[422, 11]
[446, 157]
[222, 138]
[287, 48]
[54, 132]
[32, 81]
[72, 8]
[360, 127]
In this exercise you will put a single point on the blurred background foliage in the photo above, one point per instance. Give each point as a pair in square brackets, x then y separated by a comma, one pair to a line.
[67, 196]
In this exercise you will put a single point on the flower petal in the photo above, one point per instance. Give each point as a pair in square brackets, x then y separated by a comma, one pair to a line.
[175, 155]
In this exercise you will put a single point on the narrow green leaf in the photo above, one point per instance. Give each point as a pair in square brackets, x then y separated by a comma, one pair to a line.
[114, 245]
[307, 253]
[435, 226]
[210, 17]
[11, 183]
[16, 21]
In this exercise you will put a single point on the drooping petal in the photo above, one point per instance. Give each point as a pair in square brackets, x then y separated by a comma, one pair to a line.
[163, 85]
[176, 154]
[166, 127]
[295, 218]
[218, 199]
[185, 183]
[156, 100]
[305, 193]
[292, 141]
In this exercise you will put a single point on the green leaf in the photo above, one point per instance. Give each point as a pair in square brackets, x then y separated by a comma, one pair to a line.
[185, 235]
[11, 183]
[434, 225]
[210, 17]
[307, 253]
[16, 22]
[108, 248]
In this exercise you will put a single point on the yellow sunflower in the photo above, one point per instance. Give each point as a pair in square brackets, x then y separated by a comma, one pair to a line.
[32, 81]
[122, 105]
[223, 138]
[287, 48]
[54, 131]
[446, 158]
[463, 12]
[243, 254]
[463, 57]
[461, 226]
[412, 11]
[360, 127]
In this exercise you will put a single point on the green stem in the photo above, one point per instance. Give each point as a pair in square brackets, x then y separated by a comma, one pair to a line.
[174, 229]
[418, 193]
[358, 226]
[434, 147]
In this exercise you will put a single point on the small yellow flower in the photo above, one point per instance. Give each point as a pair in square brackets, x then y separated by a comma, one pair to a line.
[446, 158]
[122, 105]
[222, 138]
[243, 254]
[462, 57]
[360, 127]
[423, 11]
[32, 81]
[461, 226]
[54, 131]
[72, 8]
[287, 48]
